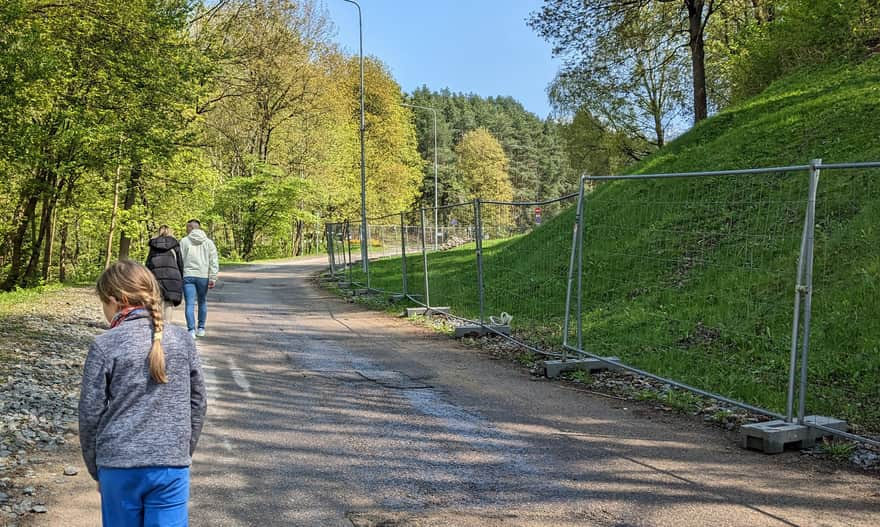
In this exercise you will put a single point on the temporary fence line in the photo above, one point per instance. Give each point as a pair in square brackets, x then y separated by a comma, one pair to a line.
[803, 284]
[490, 329]
[664, 380]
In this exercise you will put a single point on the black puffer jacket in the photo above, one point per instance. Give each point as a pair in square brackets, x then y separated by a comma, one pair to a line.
[166, 263]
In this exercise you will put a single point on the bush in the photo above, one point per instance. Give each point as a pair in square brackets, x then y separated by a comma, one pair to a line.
[803, 33]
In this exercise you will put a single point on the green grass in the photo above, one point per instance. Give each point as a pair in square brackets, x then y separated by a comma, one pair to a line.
[837, 450]
[17, 296]
[694, 279]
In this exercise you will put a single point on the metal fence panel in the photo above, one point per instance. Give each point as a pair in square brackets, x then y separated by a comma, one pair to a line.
[844, 359]
[525, 276]
[452, 272]
[692, 278]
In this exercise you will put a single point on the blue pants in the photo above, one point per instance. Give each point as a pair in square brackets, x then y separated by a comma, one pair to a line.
[195, 289]
[144, 497]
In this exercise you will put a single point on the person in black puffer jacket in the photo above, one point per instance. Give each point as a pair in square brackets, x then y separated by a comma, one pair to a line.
[166, 263]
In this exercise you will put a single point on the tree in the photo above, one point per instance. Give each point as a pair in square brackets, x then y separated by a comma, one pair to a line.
[80, 78]
[394, 166]
[589, 31]
[483, 166]
[533, 147]
[595, 149]
[780, 37]
[268, 83]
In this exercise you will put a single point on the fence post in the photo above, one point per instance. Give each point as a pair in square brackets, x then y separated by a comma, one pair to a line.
[403, 253]
[328, 231]
[478, 228]
[580, 277]
[808, 284]
[576, 234]
[796, 317]
[366, 252]
[349, 264]
[425, 261]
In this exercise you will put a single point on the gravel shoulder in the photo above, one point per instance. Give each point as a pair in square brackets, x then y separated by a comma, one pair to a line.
[43, 343]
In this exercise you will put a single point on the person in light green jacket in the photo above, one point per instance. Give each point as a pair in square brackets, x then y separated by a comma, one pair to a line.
[200, 268]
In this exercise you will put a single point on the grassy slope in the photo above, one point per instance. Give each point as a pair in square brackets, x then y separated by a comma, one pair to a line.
[694, 279]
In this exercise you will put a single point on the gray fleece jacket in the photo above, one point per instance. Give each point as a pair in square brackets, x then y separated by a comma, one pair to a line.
[128, 420]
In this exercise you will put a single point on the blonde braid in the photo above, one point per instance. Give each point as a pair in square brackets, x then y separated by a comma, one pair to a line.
[157, 354]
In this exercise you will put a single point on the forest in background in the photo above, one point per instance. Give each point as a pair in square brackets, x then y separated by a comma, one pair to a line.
[117, 117]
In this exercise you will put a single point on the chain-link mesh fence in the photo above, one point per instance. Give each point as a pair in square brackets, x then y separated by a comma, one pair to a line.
[384, 236]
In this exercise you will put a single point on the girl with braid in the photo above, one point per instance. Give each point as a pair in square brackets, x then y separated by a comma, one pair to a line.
[142, 405]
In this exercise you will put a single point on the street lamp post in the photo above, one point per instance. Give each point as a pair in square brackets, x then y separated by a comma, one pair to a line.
[364, 242]
[436, 191]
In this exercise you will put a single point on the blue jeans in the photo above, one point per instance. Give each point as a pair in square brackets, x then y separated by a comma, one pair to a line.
[144, 496]
[195, 289]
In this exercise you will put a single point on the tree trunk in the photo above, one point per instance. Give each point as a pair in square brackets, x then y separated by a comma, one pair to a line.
[17, 242]
[113, 214]
[298, 239]
[62, 252]
[65, 225]
[130, 195]
[698, 57]
[50, 242]
[31, 273]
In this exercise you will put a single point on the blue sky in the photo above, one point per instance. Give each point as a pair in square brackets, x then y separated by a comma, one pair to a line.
[470, 46]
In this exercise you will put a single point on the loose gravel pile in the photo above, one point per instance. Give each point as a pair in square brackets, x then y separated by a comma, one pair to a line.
[43, 343]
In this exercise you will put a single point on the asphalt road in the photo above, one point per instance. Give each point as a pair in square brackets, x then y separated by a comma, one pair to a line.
[324, 414]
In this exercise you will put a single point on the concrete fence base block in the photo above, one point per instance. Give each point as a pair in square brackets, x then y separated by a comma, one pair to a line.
[479, 331]
[827, 422]
[554, 368]
[772, 437]
[414, 311]
[343, 285]
[360, 292]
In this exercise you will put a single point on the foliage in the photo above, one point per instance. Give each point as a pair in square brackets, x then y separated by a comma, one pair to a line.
[633, 76]
[284, 116]
[94, 102]
[537, 165]
[483, 167]
[580, 376]
[619, 51]
[595, 149]
[801, 33]
[116, 118]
